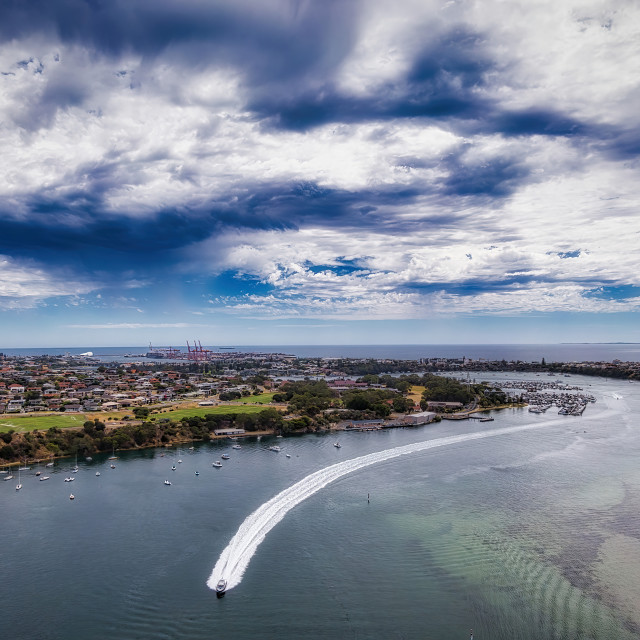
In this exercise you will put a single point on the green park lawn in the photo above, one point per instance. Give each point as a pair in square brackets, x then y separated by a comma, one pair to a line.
[61, 420]
[31, 423]
[263, 397]
[177, 414]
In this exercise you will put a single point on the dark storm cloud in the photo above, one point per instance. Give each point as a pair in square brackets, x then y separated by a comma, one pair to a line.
[443, 82]
[272, 40]
[495, 178]
[451, 82]
[286, 55]
[531, 122]
[77, 229]
[471, 287]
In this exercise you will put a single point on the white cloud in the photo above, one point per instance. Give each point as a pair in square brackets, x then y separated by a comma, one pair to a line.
[136, 325]
[24, 284]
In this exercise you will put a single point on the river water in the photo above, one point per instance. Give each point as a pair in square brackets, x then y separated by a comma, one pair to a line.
[526, 527]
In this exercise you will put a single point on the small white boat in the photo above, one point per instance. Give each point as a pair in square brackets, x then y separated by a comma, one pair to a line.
[18, 486]
[225, 456]
[71, 496]
[337, 445]
[9, 477]
[288, 455]
[43, 478]
[38, 473]
[179, 461]
[167, 482]
[173, 468]
[69, 479]
[49, 464]
[217, 464]
[97, 473]
[221, 587]
[274, 447]
[113, 466]
[236, 446]
[197, 473]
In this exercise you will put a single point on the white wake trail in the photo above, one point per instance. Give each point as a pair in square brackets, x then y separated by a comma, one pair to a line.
[235, 558]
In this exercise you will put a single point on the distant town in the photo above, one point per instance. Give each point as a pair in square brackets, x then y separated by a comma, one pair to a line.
[154, 400]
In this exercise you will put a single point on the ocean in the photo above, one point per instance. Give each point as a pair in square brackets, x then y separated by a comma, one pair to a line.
[524, 352]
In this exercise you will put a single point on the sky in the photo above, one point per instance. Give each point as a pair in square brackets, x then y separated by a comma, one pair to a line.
[319, 172]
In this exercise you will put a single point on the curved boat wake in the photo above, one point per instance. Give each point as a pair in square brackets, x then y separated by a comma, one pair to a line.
[235, 558]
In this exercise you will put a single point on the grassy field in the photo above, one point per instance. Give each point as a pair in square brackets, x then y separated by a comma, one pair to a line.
[31, 423]
[416, 393]
[177, 414]
[263, 397]
[61, 420]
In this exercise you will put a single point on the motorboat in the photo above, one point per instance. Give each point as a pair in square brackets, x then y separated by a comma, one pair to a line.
[69, 479]
[217, 464]
[288, 455]
[113, 466]
[173, 468]
[49, 464]
[42, 478]
[236, 446]
[225, 456]
[274, 447]
[486, 419]
[9, 477]
[221, 587]
[97, 473]
[38, 473]
[71, 496]
[18, 486]
[337, 445]
[197, 473]
[167, 482]
[179, 461]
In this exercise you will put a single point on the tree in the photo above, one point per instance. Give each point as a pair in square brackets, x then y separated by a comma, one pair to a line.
[141, 412]
[402, 404]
